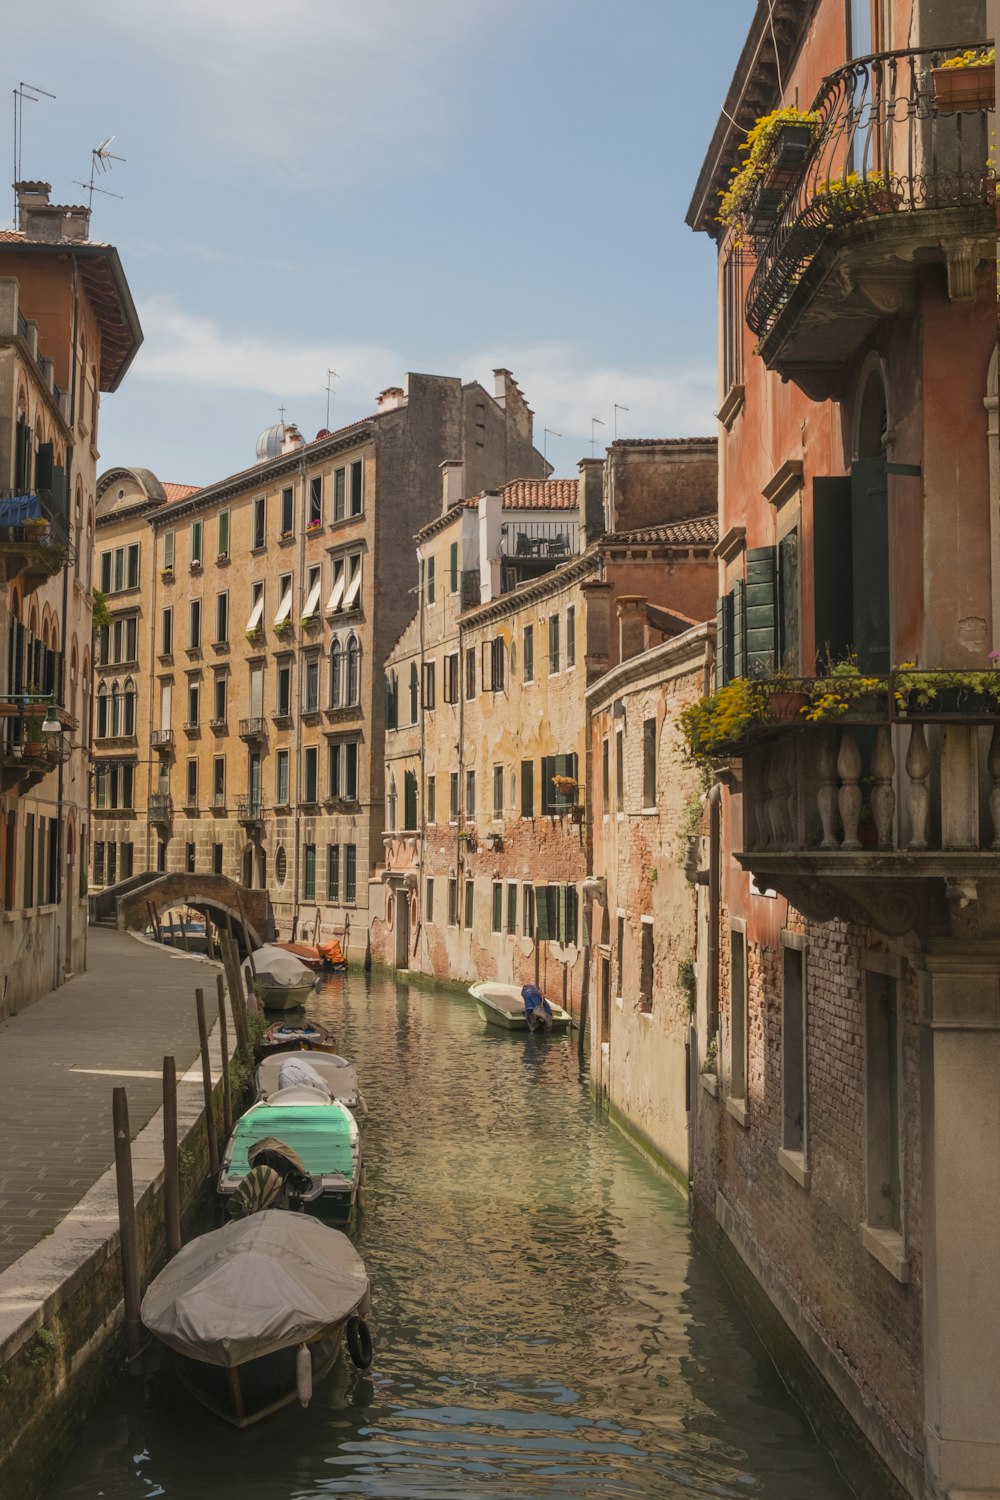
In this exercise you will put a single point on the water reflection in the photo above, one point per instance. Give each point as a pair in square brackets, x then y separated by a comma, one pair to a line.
[544, 1326]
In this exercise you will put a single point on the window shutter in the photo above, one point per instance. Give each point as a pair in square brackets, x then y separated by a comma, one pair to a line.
[486, 665]
[761, 611]
[545, 912]
[60, 493]
[739, 667]
[870, 563]
[21, 457]
[43, 466]
[527, 789]
[833, 591]
[788, 601]
[548, 790]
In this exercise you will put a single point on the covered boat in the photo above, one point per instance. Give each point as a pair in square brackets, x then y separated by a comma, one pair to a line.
[322, 1134]
[507, 1005]
[281, 981]
[327, 1071]
[255, 1313]
[326, 958]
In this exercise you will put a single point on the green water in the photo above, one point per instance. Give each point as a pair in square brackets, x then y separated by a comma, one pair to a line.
[544, 1325]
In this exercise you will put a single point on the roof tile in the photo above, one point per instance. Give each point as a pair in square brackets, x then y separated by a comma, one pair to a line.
[540, 494]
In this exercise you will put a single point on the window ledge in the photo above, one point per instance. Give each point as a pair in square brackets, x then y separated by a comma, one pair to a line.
[286, 539]
[258, 551]
[888, 1248]
[738, 1109]
[794, 1163]
[222, 560]
[710, 1084]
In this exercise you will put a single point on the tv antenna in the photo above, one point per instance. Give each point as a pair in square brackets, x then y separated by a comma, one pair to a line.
[547, 433]
[617, 410]
[328, 388]
[29, 91]
[594, 422]
[100, 161]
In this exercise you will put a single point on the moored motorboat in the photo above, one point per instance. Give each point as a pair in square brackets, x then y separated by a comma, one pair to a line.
[304, 1036]
[326, 958]
[504, 1005]
[255, 1313]
[280, 980]
[322, 1069]
[320, 1131]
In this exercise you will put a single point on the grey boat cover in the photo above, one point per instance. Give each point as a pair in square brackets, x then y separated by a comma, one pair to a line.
[279, 968]
[267, 1282]
[294, 1073]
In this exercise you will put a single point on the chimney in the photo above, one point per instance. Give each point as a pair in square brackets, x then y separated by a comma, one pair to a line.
[591, 499]
[452, 483]
[508, 396]
[390, 399]
[631, 625]
[293, 438]
[76, 222]
[45, 222]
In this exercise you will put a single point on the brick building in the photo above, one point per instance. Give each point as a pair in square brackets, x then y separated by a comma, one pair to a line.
[486, 857]
[264, 604]
[846, 1168]
[68, 332]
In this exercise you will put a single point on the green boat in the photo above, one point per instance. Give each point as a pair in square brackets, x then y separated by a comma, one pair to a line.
[321, 1132]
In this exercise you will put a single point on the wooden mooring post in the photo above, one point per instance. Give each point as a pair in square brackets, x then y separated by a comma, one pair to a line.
[227, 1103]
[171, 1162]
[126, 1226]
[206, 1078]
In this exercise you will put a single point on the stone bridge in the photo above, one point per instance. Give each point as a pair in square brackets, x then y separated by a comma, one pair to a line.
[126, 905]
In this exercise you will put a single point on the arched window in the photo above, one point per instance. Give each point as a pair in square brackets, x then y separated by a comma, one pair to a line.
[391, 804]
[102, 711]
[353, 670]
[414, 692]
[128, 707]
[116, 710]
[336, 674]
[89, 552]
[77, 529]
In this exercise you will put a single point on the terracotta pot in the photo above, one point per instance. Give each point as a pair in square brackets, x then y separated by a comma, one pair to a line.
[784, 708]
[957, 89]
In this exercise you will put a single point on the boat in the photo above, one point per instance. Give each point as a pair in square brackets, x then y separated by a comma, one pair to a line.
[322, 1069]
[280, 980]
[255, 1313]
[327, 958]
[504, 1005]
[305, 1036]
[320, 1132]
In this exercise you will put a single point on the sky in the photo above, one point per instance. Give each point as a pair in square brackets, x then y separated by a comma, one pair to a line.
[378, 186]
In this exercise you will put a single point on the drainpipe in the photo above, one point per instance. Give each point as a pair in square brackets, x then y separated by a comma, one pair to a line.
[296, 679]
[421, 898]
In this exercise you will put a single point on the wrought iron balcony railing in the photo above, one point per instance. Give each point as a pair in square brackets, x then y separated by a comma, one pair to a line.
[250, 809]
[34, 530]
[885, 148]
[534, 540]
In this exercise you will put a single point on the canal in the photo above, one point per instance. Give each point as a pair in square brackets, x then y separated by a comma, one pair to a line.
[544, 1324]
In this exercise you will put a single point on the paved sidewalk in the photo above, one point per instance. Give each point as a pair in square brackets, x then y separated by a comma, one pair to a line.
[60, 1060]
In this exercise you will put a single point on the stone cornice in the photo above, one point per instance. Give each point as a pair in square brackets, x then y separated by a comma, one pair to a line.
[655, 664]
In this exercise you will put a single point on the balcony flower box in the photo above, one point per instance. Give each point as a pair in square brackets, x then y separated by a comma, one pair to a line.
[284, 629]
[774, 151]
[314, 528]
[964, 83]
[167, 574]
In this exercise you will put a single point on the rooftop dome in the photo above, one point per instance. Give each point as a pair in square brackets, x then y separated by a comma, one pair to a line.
[270, 442]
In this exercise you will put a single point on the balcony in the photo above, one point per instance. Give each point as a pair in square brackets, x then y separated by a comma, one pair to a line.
[250, 811]
[26, 753]
[34, 536]
[162, 741]
[884, 809]
[253, 730]
[530, 548]
[160, 808]
[894, 180]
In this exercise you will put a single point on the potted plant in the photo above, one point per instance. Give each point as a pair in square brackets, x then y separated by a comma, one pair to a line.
[283, 628]
[848, 695]
[313, 527]
[256, 636]
[966, 82]
[167, 574]
[942, 693]
[774, 150]
[566, 786]
[716, 723]
[857, 195]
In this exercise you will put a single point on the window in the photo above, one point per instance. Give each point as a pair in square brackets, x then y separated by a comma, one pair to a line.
[168, 552]
[732, 323]
[283, 617]
[454, 798]
[788, 601]
[343, 769]
[429, 900]
[498, 791]
[882, 1175]
[528, 652]
[414, 693]
[350, 872]
[256, 608]
[356, 486]
[352, 593]
[430, 567]
[470, 673]
[219, 781]
[511, 908]
[310, 685]
[571, 637]
[221, 619]
[353, 670]
[646, 967]
[113, 784]
[309, 872]
[453, 568]
[196, 531]
[451, 678]
[338, 494]
[793, 1050]
[191, 792]
[310, 772]
[314, 582]
[452, 902]
[336, 599]
[216, 859]
[221, 693]
[259, 522]
[605, 774]
[430, 799]
[223, 533]
[553, 644]
[281, 778]
[738, 1018]
[494, 655]
[316, 500]
[132, 569]
[283, 697]
[391, 701]
[167, 632]
[470, 794]
[553, 800]
[189, 857]
[496, 917]
[98, 865]
[194, 632]
[336, 674]
[649, 762]
[120, 569]
[620, 953]
[29, 859]
[194, 702]
[527, 789]
[410, 819]
[470, 901]
[528, 926]
[619, 772]
[429, 692]
[333, 872]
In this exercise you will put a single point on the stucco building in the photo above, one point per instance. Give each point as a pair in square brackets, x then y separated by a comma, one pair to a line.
[68, 332]
[265, 604]
[846, 1168]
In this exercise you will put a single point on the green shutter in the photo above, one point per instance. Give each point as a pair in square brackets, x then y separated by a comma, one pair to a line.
[738, 596]
[60, 493]
[833, 591]
[722, 640]
[546, 912]
[548, 791]
[870, 563]
[43, 466]
[761, 611]
[168, 550]
[527, 789]
[453, 567]
[788, 601]
[224, 534]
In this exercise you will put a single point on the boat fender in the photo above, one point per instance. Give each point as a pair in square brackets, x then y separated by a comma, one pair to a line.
[304, 1374]
[359, 1343]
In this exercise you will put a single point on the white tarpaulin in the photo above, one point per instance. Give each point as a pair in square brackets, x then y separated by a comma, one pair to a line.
[332, 1073]
[293, 1073]
[276, 966]
[264, 1283]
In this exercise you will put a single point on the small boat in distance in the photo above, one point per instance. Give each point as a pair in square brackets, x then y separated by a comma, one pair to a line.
[504, 1005]
[281, 981]
[288, 1036]
[327, 958]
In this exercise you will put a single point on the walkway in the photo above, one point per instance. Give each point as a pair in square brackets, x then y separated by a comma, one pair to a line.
[60, 1060]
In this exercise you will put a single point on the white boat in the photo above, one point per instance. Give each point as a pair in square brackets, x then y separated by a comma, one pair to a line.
[280, 980]
[324, 1070]
[256, 1312]
[503, 1005]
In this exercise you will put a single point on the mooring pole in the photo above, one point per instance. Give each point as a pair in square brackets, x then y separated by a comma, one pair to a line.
[227, 1103]
[126, 1226]
[206, 1078]
[171, 1164]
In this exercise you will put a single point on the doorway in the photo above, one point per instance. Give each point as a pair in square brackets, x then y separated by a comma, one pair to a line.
[401, 927]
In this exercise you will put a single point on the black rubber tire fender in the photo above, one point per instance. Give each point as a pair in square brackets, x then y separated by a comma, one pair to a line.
[359, 1343]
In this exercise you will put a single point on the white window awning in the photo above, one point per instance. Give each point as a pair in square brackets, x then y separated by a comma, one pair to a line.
[353, 590]
[256, 614]
[337, 593]
[285, 607]
[312, 601]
